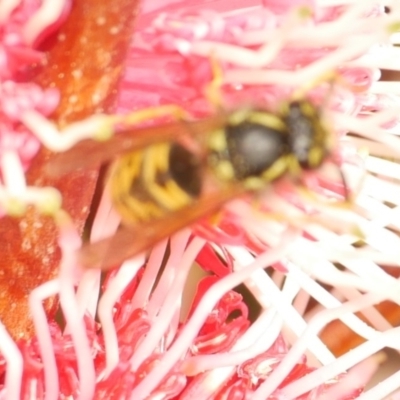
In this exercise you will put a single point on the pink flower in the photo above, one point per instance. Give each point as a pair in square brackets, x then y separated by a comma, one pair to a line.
[134, 334]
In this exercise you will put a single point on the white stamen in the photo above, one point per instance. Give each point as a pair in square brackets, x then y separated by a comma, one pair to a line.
[48, 13]
[56, 140]
[6, 8]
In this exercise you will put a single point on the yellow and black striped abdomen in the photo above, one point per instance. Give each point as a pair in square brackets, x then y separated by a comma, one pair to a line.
[154, 181]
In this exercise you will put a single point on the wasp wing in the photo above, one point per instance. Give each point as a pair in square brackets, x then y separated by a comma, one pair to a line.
[90, 153]
[130, 241]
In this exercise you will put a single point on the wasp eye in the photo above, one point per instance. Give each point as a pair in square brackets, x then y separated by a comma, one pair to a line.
[253, 148]
[306, 135]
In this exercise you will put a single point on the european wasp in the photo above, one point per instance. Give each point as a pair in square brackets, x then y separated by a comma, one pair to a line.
[167, 177]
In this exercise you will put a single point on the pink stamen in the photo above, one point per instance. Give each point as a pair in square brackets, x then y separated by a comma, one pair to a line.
[171, 274]
[189, 331]
[15, 367]
[36, 298]
[144, 350]
[170, 304]
[105, 310]
[69, 242]
[354, 380]
[45, 20]
[143, 292]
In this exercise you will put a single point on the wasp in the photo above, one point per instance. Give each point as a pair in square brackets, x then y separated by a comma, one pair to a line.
[167, 177]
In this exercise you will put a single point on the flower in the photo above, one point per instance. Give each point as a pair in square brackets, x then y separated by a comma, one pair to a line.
[142, 344]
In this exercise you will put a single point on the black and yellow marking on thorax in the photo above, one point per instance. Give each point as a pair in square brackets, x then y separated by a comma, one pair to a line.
[159, 179]
[251, 149]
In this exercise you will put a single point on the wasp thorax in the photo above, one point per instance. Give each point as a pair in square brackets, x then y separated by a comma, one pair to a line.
[253, 148]
[246, 149]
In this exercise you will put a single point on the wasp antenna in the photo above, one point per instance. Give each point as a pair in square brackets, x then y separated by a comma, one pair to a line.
[213, 89]
[347, 192]
[329, 77]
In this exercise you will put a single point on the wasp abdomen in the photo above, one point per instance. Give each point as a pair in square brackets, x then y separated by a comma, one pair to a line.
[185, 169]
[155, 181]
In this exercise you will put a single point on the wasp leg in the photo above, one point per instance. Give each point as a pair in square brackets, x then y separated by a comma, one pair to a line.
[336, 222]
[332, 77]
[136, 117]
[312, 197]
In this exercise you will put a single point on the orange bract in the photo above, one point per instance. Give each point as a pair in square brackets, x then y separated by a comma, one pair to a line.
[28, 245]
